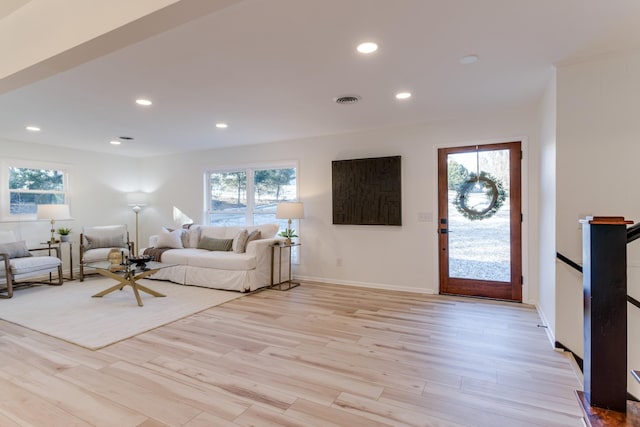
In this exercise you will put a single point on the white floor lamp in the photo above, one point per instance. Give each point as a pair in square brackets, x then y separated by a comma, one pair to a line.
[136, 202]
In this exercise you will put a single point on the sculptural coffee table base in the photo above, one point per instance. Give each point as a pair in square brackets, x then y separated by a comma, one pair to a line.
[128, 277]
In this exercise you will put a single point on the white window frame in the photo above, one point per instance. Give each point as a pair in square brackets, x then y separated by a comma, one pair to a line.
[5, 191]
[250, 190]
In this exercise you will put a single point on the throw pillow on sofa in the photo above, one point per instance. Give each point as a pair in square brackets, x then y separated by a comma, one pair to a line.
[211, 244]
[254, 235]
[171, 239]
[190, 236]
[240, 241]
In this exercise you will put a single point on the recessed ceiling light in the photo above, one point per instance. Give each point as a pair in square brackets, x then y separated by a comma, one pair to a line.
[403, 95]
[115, 142]
[144, 102]
[222, 125]
[367, 47]
[33, 128]
[469, 59]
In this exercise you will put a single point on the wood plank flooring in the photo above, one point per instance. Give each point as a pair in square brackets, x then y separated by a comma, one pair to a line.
[317, 355]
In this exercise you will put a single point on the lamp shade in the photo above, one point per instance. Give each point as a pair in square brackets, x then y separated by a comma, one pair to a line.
[290, 210]
[54, 212]
[137, 198]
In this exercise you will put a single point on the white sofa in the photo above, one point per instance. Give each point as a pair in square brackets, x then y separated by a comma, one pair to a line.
[229, 270]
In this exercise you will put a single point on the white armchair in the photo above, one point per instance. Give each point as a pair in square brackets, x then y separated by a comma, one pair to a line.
[96, 243]
[18, 263]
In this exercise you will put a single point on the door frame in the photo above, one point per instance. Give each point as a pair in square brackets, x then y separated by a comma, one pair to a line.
[523, 294]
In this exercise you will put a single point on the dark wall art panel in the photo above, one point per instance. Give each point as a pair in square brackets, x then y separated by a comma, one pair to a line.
[367, 191]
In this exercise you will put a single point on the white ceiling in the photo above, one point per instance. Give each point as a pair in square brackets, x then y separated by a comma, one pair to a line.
[271, 69]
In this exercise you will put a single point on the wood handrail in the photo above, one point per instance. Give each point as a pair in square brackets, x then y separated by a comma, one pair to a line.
[569, 262]
[633, 233]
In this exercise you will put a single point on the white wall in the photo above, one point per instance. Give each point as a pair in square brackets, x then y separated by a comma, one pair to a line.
[597, 161]
[401, 258]
[98, 185]
[547, 209]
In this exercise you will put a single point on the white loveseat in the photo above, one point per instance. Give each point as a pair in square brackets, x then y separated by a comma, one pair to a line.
[234, 269]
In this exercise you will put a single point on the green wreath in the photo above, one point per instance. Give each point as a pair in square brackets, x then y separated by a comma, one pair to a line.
[492, 189]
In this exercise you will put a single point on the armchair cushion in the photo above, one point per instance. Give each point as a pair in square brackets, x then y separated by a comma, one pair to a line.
[15, 249]
[33, 265]
[108, 236]
[100, 254]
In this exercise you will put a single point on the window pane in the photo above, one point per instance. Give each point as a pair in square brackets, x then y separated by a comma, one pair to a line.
[230, 219]
[36, 179]
[228, 191]
[27, 203]
[272, 186]
[29, 188]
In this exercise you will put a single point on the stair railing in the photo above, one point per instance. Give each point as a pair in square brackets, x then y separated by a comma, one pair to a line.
[605, 309]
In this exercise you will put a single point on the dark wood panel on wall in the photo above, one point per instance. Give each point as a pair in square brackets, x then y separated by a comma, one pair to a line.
[367, 191]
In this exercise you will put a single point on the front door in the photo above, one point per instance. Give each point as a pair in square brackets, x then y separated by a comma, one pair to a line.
[480, 221]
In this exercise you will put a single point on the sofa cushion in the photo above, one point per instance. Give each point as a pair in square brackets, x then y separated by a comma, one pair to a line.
[180, 256]
[213, 232]
[15, 249]
[212, 244]
[222, 260]
[268, 231]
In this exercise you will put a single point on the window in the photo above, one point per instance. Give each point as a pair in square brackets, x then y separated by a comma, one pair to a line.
[29, 187]
[249, 195]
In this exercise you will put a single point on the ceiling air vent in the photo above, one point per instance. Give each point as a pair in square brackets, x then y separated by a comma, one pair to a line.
[348, 99]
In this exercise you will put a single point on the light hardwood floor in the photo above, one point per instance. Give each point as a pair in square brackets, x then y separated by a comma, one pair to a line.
[318, 355]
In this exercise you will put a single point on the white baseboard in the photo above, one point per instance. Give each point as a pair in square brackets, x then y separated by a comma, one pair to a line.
[383, 286]
[545, 322]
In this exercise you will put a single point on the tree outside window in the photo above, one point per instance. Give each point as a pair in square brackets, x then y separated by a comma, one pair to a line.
[249, 196]
[30, 187]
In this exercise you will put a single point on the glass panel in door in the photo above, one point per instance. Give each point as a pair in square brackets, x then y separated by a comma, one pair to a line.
[479, 210]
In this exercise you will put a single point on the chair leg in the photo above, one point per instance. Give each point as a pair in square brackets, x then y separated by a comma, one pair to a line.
[60, 276]
[81, 272]
[9, 293]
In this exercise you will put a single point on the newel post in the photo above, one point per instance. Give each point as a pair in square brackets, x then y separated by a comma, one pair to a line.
[604, 255]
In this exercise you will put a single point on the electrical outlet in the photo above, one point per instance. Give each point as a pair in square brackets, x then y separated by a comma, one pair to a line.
[338, 262]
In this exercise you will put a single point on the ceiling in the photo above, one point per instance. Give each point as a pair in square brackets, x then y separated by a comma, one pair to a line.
[271, 70]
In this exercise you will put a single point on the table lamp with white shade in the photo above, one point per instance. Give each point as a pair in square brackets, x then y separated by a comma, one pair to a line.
[289, 211]
[53, 213]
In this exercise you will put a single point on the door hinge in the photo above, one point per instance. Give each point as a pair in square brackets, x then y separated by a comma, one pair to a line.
[521, 217]
[521, 280]
[521, 155]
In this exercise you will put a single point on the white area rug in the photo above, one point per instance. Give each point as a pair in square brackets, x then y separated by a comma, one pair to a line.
[70, 313]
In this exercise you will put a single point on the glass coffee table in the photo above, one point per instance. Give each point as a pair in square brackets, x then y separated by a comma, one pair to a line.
[128, 275]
